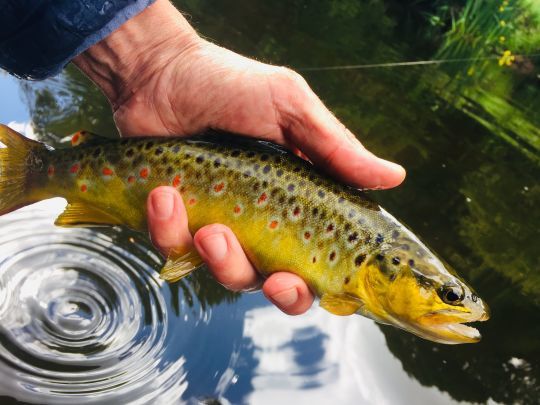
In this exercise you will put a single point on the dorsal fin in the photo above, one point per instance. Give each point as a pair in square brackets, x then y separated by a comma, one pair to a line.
[80, 215]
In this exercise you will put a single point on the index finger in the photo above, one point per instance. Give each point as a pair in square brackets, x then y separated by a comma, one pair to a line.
[312, 128]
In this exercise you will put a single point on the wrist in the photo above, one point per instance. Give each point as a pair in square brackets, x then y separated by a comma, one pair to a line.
[136, 51]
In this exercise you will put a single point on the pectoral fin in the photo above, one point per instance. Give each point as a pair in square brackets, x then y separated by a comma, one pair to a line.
[81, 215]
[340, 304]
[179, 264]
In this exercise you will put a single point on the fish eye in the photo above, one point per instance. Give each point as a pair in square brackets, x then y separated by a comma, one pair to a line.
[451, 294]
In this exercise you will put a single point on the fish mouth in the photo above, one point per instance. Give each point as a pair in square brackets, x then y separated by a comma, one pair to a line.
[451, 327]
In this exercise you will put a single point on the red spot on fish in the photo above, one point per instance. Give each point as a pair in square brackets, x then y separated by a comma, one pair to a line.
[219, 187]
[75, 168]
[84, 188]
[144, 173]
[131, 179]
[296, 211]
[307, 235]
[263, 197]
[50, 171]
[330, 228]
[107, 171]
[274, 224]
[75, 139]
[237, 209]
[192, 201]
[176, 181]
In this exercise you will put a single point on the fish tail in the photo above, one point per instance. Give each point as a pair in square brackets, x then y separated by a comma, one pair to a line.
[16, 163]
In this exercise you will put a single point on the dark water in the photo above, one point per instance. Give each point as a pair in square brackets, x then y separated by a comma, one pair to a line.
[84, 318]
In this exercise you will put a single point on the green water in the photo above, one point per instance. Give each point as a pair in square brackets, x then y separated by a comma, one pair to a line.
[467, 132]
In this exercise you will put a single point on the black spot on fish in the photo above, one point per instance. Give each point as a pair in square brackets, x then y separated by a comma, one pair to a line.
[256, 186]
[274, 192]
[159, 151]
[379, 239]
[266, 169]
[290, 187]
[250, 154]
[341, 200]
[359, 260]
[332, 256]
[352, 213]
[314, 259]
[165, 160]
[247, 173]
[474, 297]
[137, 161]
[292, 200]
[297, 169]
[264, 158]
[170, 171]
[176, 148]
[379, 257]
[411, 262]
[315, 211]
[199, 159]
[217, 162]
[129, 153]
[353, 237]
[235, 153]
[347, 280]
[279, 173]
[347, 227]
[321, 194]
[256, 166]
[395, 234]
[148, 145]
[396, 260]
[265, 184]
[187, 155]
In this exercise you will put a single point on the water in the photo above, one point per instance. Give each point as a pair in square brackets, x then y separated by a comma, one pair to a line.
[84, 317]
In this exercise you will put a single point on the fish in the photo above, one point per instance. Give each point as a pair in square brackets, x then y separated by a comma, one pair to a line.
[286, 213]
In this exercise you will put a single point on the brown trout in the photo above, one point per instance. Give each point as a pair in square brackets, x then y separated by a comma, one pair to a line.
[287, 215]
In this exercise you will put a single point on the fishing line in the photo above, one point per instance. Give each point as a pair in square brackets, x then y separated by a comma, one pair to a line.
[409, 63]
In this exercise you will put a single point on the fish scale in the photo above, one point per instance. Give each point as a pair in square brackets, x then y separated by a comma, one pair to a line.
[287, 215]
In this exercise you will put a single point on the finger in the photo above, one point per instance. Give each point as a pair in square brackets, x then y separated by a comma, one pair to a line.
[288, 292]
[167, 220]
[318, 133]
[225, 258]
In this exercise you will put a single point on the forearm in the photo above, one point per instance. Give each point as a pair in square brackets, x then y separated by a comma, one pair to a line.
[132, 54]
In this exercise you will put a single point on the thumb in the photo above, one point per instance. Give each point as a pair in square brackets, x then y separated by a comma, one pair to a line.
[167, 220]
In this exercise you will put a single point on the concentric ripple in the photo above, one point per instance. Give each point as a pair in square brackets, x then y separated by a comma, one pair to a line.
[83, 315]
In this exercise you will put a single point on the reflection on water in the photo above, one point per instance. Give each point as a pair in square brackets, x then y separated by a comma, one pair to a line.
[83, 310]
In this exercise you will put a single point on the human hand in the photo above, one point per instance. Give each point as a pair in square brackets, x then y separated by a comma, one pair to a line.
[167, 80]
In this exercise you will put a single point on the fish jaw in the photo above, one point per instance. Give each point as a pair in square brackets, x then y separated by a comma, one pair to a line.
[450, 327]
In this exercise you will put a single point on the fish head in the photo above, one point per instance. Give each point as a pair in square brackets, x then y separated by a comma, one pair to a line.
[407, 286]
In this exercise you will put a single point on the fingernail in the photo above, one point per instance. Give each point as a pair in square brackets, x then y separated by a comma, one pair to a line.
[163, 205]
[214, 246]
[285, 298]
[393, 166]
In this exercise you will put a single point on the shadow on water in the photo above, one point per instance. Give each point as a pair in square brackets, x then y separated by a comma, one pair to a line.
[468, 134]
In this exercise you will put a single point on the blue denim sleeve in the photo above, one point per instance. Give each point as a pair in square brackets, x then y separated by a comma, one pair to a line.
[38, 38]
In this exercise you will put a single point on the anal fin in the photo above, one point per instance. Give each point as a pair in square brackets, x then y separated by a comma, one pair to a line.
[340, 304]
[81, 215]
[180, 264]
